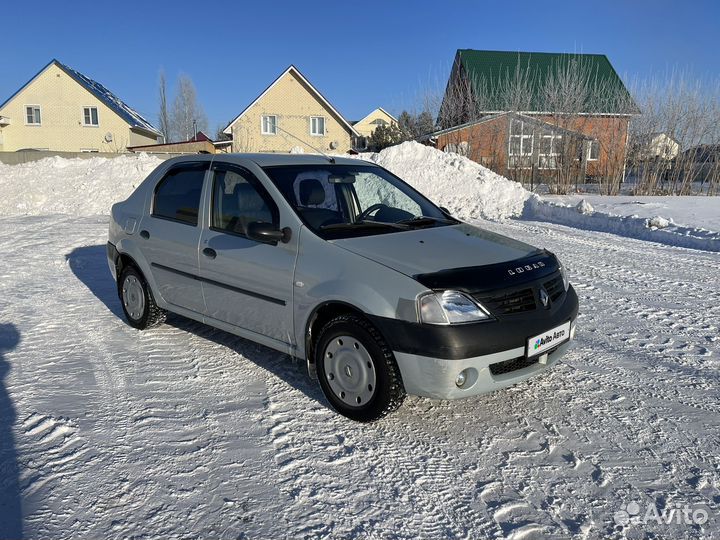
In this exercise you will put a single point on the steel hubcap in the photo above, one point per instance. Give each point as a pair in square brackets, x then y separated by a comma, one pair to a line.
[349, 371]
[133, 297]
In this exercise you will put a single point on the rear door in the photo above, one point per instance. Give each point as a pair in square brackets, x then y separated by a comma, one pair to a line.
[170, 235]
[246, 283]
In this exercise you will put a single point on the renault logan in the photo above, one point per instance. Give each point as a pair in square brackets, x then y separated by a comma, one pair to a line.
[342, 264]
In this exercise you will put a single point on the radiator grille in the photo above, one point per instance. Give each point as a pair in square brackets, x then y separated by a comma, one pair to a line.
[514, 302]
[554, 288]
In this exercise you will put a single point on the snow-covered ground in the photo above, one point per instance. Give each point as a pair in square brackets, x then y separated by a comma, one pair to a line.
[184, 431]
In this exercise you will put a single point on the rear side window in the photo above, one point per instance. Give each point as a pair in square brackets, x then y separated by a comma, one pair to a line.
[177, 196]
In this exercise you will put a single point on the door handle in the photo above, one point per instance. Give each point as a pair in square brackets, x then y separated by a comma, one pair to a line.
[145, 234]
[210, 253]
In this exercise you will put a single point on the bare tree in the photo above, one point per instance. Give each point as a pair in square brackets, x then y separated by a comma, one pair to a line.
[686, 112]
[164, 116]
[188, 116]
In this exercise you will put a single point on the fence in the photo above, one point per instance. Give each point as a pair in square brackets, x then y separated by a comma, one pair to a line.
[26, 156]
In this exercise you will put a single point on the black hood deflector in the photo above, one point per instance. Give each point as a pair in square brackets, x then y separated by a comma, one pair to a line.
[491, 277]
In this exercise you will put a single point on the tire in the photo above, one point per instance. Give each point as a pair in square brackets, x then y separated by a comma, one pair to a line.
[137, 301]
[357, 370]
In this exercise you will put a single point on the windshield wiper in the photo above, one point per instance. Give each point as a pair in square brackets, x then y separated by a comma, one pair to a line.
[364, 224]
[419, 221]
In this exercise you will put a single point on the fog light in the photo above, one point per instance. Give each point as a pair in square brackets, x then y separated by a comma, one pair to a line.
[460, 379]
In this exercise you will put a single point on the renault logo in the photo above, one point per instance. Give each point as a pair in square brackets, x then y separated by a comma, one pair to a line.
[544, 298]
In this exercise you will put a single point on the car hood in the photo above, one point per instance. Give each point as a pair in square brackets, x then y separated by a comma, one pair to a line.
[428, 250]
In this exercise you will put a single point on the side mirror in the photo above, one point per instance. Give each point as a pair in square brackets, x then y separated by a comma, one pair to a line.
[268, 233]
[445, 211]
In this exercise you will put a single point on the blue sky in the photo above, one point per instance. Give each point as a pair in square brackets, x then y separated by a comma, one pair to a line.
[358, 54]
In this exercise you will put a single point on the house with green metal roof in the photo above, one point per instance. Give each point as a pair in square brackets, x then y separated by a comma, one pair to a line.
[581, 95]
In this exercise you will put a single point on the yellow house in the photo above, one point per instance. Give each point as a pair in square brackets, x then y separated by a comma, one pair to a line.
[379, 117]
[288, 116]
[365, 127]
[61, 109]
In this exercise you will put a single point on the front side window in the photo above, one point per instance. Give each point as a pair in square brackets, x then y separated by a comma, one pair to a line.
[269, 125]
[177, 196]
[520, 146]
[339, 201]
[32, 115]
[238, 200]
[90, 116]
[317, 125]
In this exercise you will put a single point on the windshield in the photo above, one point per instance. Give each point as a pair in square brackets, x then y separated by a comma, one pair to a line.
[339, 201]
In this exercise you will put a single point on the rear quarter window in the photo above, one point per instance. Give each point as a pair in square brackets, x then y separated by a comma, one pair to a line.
[177, 195]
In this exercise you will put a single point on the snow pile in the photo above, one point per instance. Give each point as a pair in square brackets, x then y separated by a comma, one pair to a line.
[80, 187]
[464, 187]
[658, 222]
[584, 207]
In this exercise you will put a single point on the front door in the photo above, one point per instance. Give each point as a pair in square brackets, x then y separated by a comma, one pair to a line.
[170, 236]
[246, 283]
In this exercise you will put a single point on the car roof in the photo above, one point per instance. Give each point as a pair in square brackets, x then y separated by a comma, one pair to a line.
[272, 160]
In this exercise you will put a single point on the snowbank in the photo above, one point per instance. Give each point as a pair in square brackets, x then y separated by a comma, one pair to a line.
[655, 229]
[464, 187]
[699, 211]
[80, 187]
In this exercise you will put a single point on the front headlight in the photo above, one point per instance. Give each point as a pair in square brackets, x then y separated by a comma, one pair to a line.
[563, 273]
[450, 307]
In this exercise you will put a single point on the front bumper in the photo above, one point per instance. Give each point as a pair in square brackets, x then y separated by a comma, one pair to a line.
[431, 357]
[435, 377]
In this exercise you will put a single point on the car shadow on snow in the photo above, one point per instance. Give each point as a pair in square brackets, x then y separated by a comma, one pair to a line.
[89, 264]
[10, 501]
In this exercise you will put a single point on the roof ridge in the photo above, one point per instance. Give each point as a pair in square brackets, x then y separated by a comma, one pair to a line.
[532, 52]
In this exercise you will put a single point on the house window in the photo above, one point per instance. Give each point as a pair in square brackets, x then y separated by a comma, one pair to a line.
[90, 116]
[317, 125]
[594, 150]
[269, 125]
[550, 150]
[379, 122]
[32, 115]
[520, 148]
[461, 148]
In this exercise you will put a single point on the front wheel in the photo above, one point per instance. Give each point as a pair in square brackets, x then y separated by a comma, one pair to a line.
[137, 300]
[357, 370]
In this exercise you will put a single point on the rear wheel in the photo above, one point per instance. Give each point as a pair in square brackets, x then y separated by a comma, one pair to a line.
[137, 300]
[357, 370]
